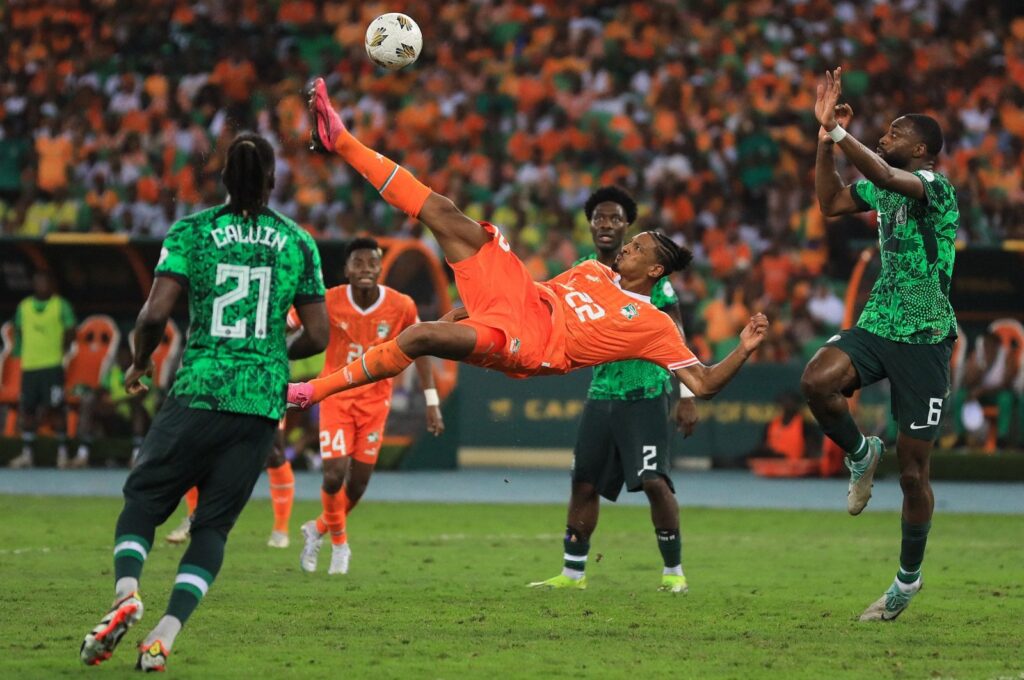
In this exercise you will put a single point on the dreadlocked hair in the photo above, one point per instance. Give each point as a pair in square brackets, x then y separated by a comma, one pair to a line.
[671, 256]
[248, 172]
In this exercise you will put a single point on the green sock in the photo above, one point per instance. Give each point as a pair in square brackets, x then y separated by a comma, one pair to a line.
[671, 546]
[133, 539]
[576, 549]
[199, 566]
[847, 435]
[915, 537]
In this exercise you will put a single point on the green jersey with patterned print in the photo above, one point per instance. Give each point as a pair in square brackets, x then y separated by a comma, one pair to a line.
[242, 274]
[635, 378]
[910, 299]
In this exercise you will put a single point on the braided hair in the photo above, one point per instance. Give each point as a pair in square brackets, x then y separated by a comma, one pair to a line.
[671, 256]
[249, 173]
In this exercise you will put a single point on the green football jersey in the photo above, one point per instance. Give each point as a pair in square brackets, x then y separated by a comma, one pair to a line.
[242, 276]
[635, 378]
[910, 299]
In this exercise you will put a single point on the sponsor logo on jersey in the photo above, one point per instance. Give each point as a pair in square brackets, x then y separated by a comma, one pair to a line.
[630, 311]
[383, 328]
[513, 346]
[591, 277]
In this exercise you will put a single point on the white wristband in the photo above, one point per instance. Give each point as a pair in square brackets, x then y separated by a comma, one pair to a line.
[431, 396]
[837, 133]
[684, 391]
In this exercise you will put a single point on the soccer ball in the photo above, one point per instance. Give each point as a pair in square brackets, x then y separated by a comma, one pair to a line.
[393, 40]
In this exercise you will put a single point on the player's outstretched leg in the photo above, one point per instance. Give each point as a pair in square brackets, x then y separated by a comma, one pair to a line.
[428, 338]
[458, 236]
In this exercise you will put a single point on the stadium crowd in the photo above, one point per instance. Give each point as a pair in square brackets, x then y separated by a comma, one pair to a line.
[518, 110]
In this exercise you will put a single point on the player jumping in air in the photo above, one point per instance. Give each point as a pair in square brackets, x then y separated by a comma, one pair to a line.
[588, 315]
[907, 329]
[243, 265]
[623, 434]
[363, 314]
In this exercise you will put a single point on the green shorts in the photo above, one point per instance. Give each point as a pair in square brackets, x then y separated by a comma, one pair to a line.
[918, 376]
[41, 388]
[622, 441]
[221, 453]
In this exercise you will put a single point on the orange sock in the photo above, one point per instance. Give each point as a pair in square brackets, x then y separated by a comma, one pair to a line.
[192, 500]
[379, 362]
[282, 494]
[395, 184]
[321, 524]
[334, 515]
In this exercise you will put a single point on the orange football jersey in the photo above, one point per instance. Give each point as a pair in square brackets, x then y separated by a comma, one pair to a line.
[597, 322]
[354, 330]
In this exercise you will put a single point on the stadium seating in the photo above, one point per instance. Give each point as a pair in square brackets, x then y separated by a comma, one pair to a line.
[95, 347]
[10, 378]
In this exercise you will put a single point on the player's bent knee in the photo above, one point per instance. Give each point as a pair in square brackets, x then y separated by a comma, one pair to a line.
[912, 481]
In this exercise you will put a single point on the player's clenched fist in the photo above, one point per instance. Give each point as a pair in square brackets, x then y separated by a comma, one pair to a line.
[754, 332]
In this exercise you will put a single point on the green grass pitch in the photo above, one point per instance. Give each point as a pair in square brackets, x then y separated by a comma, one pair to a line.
[437, 591]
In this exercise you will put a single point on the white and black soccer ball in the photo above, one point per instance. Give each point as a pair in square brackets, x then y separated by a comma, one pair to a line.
[393, 41]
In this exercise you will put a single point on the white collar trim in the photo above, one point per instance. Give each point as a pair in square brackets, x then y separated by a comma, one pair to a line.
[371, 308]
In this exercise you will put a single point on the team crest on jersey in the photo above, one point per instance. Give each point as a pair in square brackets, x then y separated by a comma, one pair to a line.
[901, 214]
[373, 437]
[513, 346]
[383, 328]
[630, 311]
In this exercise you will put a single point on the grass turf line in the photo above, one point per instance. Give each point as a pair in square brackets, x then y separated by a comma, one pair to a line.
[438, 591]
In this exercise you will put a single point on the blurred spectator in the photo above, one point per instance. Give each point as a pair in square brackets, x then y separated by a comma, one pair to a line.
[826, 308]
[44, 328]
[701, 109]
[788, 434]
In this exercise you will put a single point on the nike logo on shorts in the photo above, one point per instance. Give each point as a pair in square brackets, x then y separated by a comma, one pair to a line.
[915, 426]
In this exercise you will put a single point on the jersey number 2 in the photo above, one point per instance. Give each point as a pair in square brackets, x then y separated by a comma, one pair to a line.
[243, 276]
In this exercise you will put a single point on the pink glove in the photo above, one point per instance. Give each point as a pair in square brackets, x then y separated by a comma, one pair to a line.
[300, 395]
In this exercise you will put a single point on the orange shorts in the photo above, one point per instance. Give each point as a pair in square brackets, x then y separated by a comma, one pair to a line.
[500, 294]
[351, 428]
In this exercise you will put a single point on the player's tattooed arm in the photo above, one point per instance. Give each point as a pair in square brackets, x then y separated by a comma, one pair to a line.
[707, 381]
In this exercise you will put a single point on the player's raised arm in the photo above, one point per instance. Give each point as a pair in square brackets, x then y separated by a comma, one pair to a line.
[835, 198]
[707, 381]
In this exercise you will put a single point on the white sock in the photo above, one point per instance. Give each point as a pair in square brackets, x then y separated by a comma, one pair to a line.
[166, 630]
[673, 571]
[908, 588]
[574, 574]
[125, 586]
[83, 452]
